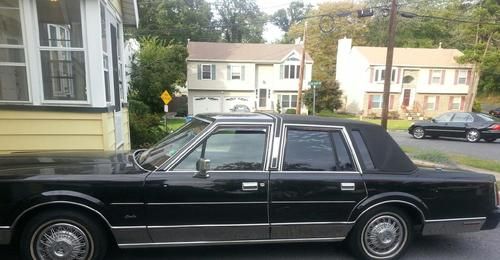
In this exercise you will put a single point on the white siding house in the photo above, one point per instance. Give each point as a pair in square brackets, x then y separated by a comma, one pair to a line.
[261, 77]
[423, 81]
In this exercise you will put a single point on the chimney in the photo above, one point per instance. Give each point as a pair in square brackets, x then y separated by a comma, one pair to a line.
[343, 51]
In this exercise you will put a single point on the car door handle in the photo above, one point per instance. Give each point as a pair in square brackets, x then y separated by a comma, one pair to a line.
[249, 186]
[347, 186]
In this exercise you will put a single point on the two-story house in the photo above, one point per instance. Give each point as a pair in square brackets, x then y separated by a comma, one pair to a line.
[222, 77]
[62, 74]
[424, 82]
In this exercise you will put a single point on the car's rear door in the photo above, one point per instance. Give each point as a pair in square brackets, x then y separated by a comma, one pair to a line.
[316, 186]
[231, 204]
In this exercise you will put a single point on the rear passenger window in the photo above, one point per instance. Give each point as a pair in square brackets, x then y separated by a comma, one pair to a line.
[365, 155]
[316, 150]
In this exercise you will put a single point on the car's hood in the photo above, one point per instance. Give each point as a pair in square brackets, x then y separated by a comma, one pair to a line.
[68, 162]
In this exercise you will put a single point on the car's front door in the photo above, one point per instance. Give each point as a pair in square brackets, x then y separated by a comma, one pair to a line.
[228, 203]
[440, 125]
[317, 185]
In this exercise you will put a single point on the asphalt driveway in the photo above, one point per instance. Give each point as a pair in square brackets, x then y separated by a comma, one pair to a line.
[481, 150]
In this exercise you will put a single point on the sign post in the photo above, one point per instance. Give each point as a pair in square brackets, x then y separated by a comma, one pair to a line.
[165, 96]
[313, 85]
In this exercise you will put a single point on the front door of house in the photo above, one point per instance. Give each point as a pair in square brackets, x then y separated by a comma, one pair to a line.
[263, 98]
[406, 97]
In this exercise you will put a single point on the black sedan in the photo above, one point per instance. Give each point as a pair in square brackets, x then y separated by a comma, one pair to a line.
[495, 112]
[472, 126]
[239, 179]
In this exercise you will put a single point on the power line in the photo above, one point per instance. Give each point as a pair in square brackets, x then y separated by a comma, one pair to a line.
[413, 15]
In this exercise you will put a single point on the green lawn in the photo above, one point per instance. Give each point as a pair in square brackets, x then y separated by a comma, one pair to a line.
[173, 123]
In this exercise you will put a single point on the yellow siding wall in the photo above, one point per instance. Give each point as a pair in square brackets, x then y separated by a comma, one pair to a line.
[126, 129]
[40, 130]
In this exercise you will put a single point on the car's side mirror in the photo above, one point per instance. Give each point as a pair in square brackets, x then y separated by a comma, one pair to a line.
[202, 166]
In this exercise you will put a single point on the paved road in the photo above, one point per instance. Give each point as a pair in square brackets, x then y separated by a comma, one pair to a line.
[482, 150]
[482, 245]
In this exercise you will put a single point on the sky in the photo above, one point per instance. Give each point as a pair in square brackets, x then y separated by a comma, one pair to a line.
[272, 32]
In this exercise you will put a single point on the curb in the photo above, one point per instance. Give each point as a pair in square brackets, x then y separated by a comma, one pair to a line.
[458, 166]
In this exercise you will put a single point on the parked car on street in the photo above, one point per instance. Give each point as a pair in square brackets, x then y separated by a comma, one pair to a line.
[471, 126]
[225, 179]
[495, 112]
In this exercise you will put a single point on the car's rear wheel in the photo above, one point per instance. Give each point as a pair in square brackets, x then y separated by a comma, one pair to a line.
[473, 135]
[418, 132]
[62, 235]
[490, 140]
[382, 233]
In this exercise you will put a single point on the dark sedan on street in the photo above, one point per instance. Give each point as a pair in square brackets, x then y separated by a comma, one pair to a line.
[471, 126]
[495, 112]
[247, 178]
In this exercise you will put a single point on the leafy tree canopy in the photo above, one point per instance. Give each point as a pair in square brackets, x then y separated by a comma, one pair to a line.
[240, 20]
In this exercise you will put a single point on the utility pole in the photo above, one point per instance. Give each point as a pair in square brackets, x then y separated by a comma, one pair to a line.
[301, 75]
[388, 63]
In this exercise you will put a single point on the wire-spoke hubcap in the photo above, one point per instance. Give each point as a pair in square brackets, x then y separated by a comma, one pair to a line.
[62, 241]
[472, 135]
[384, 235]
[418, 133]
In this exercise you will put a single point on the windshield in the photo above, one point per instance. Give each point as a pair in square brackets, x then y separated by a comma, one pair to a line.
[487, 118]
[163, 150]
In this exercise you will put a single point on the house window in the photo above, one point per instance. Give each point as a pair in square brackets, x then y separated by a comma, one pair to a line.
[431, 103]
[380, 75]
[376, 101]
[105, 57]
[291, 71]
[288, 101]
[462, 77]
[206, 71]
[456, 102]
[436, 76]
[13, 77]
[235, 72]
[61, 50]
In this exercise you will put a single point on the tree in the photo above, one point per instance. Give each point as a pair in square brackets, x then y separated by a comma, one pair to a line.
[328, 96]
[177, 20]
[240, 20]
[157, 67]
[284, 18]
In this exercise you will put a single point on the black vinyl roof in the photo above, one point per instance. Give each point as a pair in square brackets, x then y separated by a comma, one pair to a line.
[385, 153]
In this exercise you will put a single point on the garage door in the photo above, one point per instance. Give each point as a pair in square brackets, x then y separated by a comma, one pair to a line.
[232, 103]
[206, 105]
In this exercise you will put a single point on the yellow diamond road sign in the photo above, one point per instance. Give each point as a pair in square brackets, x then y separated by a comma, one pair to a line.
[166, 97]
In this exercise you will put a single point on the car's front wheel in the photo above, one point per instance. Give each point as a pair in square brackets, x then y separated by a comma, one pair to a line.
[382, 233]
[62, 235]
[418, 132]
[473, 135]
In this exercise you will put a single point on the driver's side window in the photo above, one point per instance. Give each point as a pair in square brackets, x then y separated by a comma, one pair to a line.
[229, 149]
[444, 117]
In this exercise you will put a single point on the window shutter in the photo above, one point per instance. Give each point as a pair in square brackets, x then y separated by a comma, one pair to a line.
[456, 77]
[370, 101]
[442, 76]
[437, 103]
[371, 75]
[391, 101]
[450, 103]
[213, 72]
[282, 71]
[462, 103]
[199, 71]
[228, 72]
[430, 77]
[425, 101]
[242, 72]
[469, 77]
[399, 76]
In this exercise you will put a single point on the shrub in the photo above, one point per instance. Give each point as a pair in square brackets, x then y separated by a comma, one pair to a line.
[476, 107]
[291, 111]
[393, 115]
[145, 130]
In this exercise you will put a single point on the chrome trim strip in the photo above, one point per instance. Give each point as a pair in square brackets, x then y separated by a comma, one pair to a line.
[128, 227]
[444, 130]
[194, 243]
[60, 202]
[342, 129]
[311, 201]
[391, 201]
[206, 203]
[203, 119]
[312, 223]
[212, 225]
[5, 227]
[126, 203]
[454, 219]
